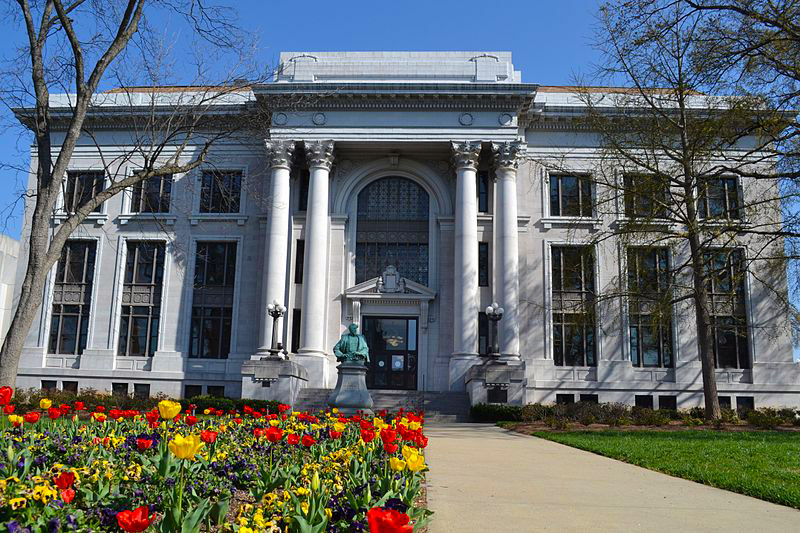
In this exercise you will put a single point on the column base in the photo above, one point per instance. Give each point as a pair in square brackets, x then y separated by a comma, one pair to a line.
[458, 367]
[319, 367]
[273, 379]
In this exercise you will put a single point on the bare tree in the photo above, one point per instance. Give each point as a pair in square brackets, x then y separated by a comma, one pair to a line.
[78, 47]
[683, 170]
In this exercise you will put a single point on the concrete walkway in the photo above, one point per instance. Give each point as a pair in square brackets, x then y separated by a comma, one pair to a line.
[487, 479]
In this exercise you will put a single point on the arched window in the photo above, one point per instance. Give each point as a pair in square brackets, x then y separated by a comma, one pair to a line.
[392, 229]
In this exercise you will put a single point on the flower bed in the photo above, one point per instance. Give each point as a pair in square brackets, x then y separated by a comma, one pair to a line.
[80, 467]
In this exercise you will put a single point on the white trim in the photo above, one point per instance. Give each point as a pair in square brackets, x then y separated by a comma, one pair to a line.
[548, 220]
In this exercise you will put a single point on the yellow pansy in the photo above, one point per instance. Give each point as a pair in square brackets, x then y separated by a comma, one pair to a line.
[45, 403]
[304, 507]
[168, 409]
[301, 491]
[185, 447]
[18, 503]
[274, 423]
[43, 493]
[328, 513]
[396, 464]
[415, 462]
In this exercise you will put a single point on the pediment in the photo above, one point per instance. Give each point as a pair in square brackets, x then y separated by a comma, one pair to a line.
[369, 290]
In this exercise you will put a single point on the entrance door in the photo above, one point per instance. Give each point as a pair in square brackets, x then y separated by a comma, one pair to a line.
[393, 348]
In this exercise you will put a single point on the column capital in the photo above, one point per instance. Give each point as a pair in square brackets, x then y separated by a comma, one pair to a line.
[319, 154]
[279, 152]
[466, 154]
[508, 154]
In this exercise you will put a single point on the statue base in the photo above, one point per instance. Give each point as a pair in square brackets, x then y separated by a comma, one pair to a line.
[351, 395]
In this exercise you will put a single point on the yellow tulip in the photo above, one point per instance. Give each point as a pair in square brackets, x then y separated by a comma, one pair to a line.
[44, 403]
[15, 419]
[168, 409]
[397, 465]
[408, 451]
[274, 423]
[185, 447]
[415, 462]
[379, 423]
[338, 427]
[413, 426]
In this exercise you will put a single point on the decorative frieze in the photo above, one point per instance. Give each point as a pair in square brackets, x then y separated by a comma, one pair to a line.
[319, 154]
[466, 154]
[279, 153]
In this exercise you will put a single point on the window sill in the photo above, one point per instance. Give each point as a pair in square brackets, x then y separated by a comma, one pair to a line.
[92, 218]
[166, 218]
[239, 218]
[584, 222]
[729, 223]
[646, 222]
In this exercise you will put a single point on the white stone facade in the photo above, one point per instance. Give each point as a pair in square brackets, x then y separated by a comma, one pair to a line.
[436, 119]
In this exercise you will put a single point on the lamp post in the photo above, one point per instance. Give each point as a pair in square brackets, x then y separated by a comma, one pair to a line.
[276, 310]
[494, 313]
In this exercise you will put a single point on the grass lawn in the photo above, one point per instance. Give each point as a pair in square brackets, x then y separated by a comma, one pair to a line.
[762, 464]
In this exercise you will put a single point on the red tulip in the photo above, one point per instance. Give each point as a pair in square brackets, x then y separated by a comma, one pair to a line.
[367, 435]
[334, 434]
[191, 420]
[8, 409]
[64, 480]
[115, 414]
[388, 435]
[308, 441]
[99, 408]
[421, 441]
[32, 417]
[390, 521]
[283, 408]
[152, 416]
[237, 421]
[390, 447]
[79, 406]
[53, 413]
[208, 436]
[67, 495]
[64, 408]
[144, 444]
[5, 395]
[293, 439]
[136, 520]
[275, 434]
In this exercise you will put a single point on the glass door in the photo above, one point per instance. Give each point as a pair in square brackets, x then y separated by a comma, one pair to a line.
[393, 352]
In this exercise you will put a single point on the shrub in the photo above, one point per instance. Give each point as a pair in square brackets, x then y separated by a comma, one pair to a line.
[556, 422]
[692, 420]
[535, 412]
[764, 418]
[729, 416]
[614, 414]
[486, 412]
[642, 416]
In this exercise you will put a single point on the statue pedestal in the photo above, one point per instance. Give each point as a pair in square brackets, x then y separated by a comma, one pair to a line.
[351, 394]
[278, 380]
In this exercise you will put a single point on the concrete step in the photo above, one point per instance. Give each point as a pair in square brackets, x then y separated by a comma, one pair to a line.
[438, 406]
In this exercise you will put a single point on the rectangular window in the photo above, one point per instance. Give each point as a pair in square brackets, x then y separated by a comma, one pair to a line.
[82, 186]
[483, 191]
[303, 178]
[217, 391]
[573, 291]
[296, 315]
[483, 264]
[70, 386]
[565, 399]
[668, 402]
[299, 257]
[212, 301]
[141, 298]
[590, 398]
[646, 195]
[49, 385]
[496, 395]
[570, 196]
[726, 289]
[119, 390]
[649, 307]
[72, 295]
[483, 333]
[221, 191]
[152, 195]
[191, 391]
[745, 403]
[643, 400]
[724, 402]
[719, 198]
[141, 390]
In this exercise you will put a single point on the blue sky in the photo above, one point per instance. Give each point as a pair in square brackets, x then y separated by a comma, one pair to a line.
[550, 42]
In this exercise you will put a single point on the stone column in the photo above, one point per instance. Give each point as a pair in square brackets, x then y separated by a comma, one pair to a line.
[506, 236]
[465, 266]
[276, 244]
[319, 155]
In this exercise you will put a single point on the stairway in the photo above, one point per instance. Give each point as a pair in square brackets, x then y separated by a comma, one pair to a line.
[438, 406]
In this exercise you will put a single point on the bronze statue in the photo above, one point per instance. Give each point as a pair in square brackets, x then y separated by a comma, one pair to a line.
[352, 347]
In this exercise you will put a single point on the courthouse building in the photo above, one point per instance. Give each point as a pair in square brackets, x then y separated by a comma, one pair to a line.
[402, 191]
